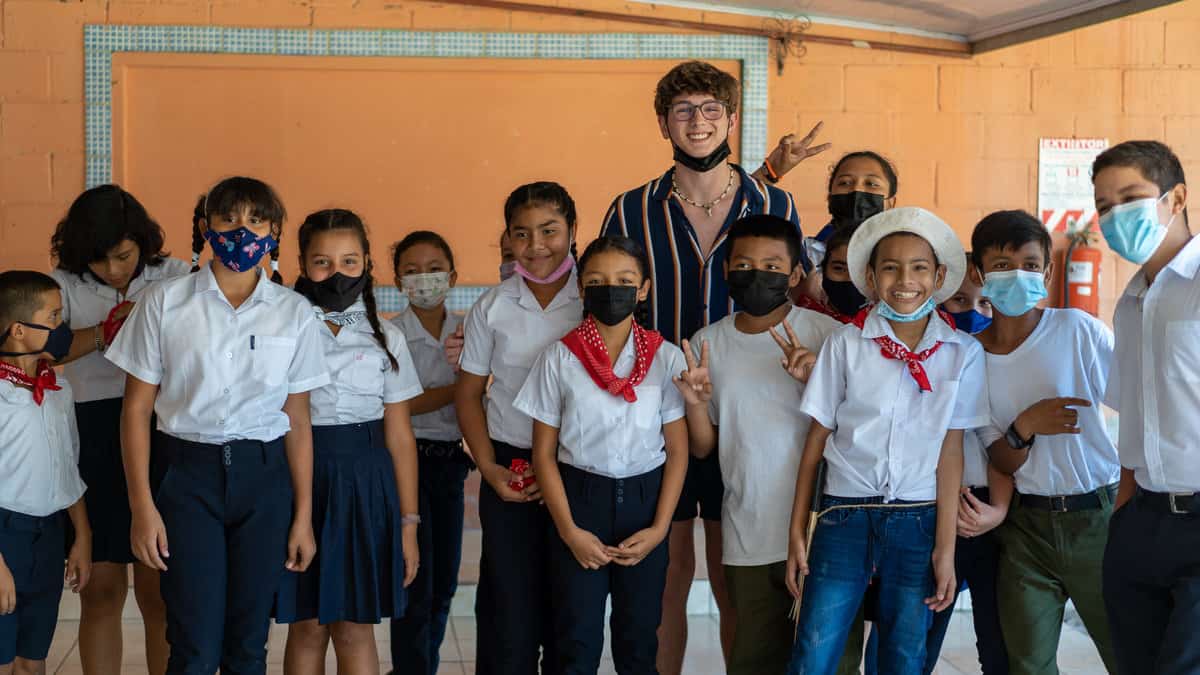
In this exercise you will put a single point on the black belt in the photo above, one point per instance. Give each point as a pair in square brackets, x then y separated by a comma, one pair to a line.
[1178, 503]
[1088, 501]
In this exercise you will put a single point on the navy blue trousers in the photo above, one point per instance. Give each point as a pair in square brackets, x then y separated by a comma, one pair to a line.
[33, 548]
[513, 622]
[227, 510]
[417, 637]
[612, 509]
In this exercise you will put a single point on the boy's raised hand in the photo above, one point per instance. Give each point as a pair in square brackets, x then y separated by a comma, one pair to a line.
[695, 383]
[8, 590]
[790, 151]
[798, 360]
[1051, 416]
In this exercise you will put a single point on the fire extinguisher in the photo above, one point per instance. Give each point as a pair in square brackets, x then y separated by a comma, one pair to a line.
[1081, 274]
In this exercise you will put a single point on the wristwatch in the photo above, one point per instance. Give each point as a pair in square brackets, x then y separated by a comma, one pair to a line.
[1014, 439]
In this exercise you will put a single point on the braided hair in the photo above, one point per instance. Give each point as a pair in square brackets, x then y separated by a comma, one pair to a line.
[233, 194]
[543, 193]
[197, 236]
[343, 219]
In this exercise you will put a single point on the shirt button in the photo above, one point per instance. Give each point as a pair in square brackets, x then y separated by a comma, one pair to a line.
[221, 422]
[229, 355]
[226, 390]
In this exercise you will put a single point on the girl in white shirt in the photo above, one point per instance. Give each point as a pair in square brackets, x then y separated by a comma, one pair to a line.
[226, 358]
[424, 269]
[364, 460]
[610, 452]
[108, 251]
[505, 331]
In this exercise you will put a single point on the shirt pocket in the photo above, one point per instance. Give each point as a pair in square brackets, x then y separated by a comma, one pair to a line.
[647, 409]
[935, 409]
[1182, 360]
[271, 358]
[364, 374]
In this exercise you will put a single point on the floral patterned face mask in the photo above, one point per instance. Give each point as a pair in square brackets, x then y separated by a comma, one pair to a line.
[426, 290]
[239, 249]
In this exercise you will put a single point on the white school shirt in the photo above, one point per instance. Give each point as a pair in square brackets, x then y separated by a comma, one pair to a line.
[1067, 354]
[975, 460]
[223, 374]
[429, 357]
[505, 331]
[362, 379]
[1155, 381]
[598, 432]
[760, 433]
[39, 450]
[86, 302]
[888, 433]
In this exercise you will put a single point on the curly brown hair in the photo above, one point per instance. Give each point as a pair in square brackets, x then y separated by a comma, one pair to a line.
[696, 77]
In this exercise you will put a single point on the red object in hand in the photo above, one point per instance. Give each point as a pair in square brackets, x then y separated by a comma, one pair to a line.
[112, 325]
[519, 467]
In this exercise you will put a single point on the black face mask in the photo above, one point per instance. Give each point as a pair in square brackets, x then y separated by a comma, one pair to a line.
[333, 294]
[58, 342]
[758, 292]
[610, 305]
[843, 295]
[852, 208]
[702, 164]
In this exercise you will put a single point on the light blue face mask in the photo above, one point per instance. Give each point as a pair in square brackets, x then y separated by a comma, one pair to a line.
[1014, 292]
[886, 311]
[1132, 230]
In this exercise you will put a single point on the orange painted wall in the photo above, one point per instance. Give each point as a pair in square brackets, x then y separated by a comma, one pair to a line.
[963, 132]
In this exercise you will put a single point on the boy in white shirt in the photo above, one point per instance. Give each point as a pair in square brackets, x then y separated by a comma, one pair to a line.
[740, 400]
[39, 455]
[1047, 372]
[1152, 562]
[889, 397]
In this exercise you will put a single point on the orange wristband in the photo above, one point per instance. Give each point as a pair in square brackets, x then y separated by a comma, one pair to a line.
[770, 170]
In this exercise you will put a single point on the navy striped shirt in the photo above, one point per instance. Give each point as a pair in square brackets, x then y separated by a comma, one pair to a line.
[688, 290]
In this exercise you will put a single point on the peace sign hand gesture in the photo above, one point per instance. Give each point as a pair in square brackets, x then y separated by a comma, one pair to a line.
[791, 152]
[797, 360]
[695, 383]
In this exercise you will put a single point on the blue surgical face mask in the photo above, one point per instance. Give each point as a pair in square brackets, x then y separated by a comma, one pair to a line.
[970, 321]
[239, 249]
[886, 311]
[1014, 292]
[1132, 230]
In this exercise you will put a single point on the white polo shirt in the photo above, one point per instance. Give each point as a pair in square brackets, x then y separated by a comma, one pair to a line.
[362, 379]
[86, 302]
[39, 450]
[223, 373]
[760, 432]
[1067, 355]
[888, 433]
[429, 357]
[505, 332]
[1155, 379]
[598, 432]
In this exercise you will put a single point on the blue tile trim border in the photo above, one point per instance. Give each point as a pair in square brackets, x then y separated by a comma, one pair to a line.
[101, 41]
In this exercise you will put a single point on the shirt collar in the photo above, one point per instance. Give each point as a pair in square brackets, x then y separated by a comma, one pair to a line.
[1186, 264]
[15, 395]
[413, 329]
[264, 291]
[936, 331]
[752, 190]
[515, 287]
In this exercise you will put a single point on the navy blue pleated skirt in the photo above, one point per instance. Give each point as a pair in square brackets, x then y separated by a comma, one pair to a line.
[358, 573]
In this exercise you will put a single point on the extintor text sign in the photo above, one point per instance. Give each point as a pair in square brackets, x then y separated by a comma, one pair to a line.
[1065, 196]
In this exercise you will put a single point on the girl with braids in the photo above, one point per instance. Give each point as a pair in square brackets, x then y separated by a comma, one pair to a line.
[226, 358]
[364, 512]
[506, 329]
[108, 252]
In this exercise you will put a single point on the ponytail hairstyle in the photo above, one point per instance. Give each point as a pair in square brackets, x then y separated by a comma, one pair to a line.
[543, 193]
[616, 243]
[232, 195]
[197, 237]
[329, 220]
[100, 219]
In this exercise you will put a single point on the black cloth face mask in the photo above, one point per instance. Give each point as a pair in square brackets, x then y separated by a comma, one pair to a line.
[852, 208]
[334, 293]
[843, 295]
[58, 342]
[758, 292]
[610, 305]
[702, 164]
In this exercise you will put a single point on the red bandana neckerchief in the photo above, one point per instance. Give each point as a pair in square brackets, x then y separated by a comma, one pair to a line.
[894, 350]
[112, 325]
[805, 302]
[45, 380]
[587, 346]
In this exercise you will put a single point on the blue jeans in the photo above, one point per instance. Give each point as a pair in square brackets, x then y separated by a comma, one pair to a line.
[850, 546]
[417, 636]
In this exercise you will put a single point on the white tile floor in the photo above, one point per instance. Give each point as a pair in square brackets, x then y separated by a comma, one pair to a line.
[1076, 655]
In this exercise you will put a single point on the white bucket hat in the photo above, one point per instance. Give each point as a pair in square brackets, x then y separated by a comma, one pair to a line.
[918, 221]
